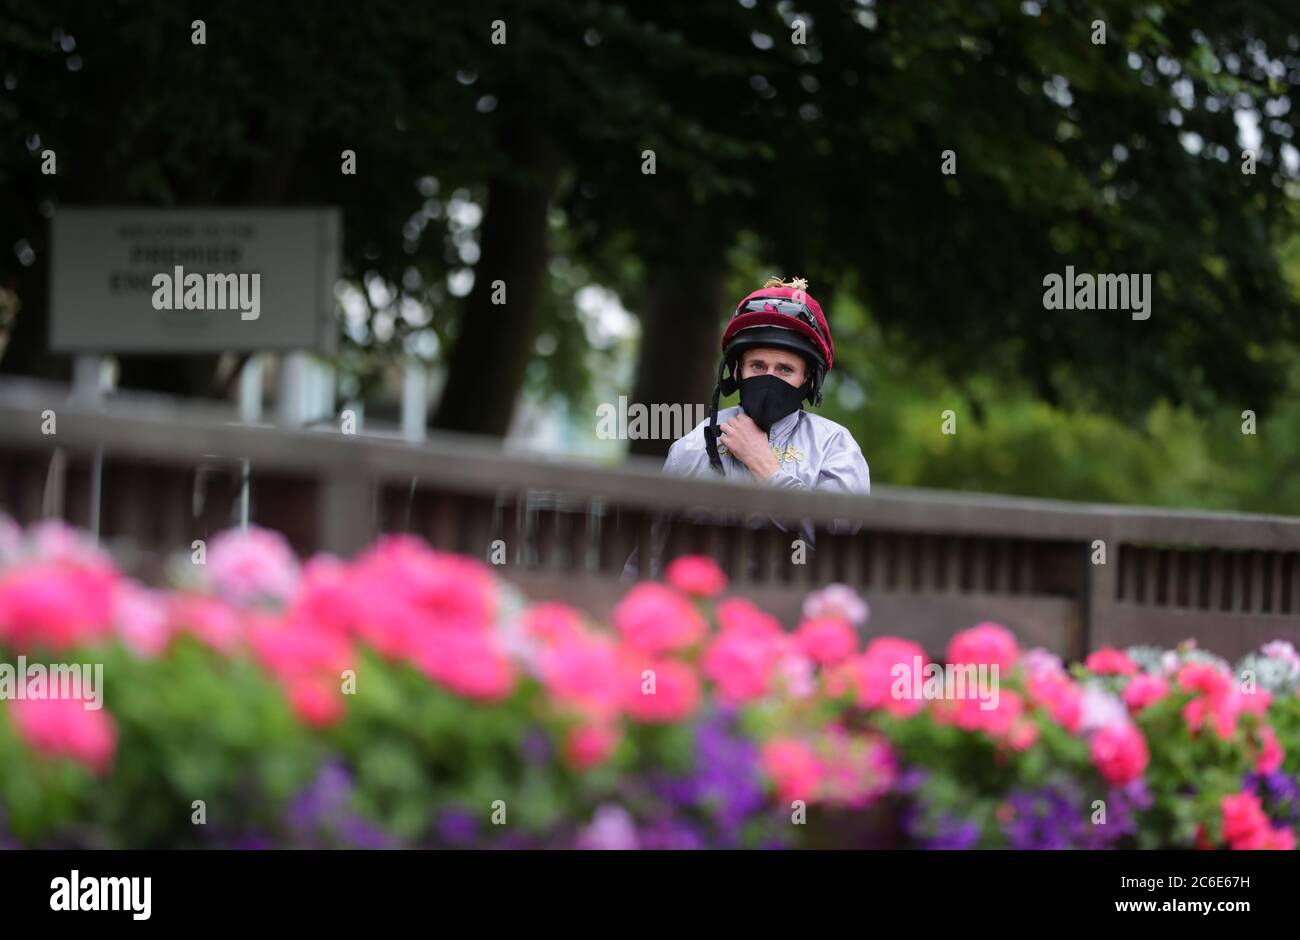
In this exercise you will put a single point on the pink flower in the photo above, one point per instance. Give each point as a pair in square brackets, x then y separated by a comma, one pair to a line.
[612, 828]
[53, 541]
[736, 613]
[213, 622]
[984, 643]
[1205, 678]
[316, 700]
[856, 768]
[1059, 696]
[1022, 734]
[1255, 702]
[1283, 839]
[290, 649]
[742, 658]
[590, 744]
[142, 620]
[873, 676]
[836, 600]
[56, 605]
[585, 672]
[655, 619]
[796, 674]
[970, 714]
[1120, 753]
[697, 575]
[325, 596]
[793, 768]
[471, 664]
[250, 565]
[1221, 711]
[406, 590]
[1109, 661]
[11, 540]
[674, 696]
[1245, 824]
[64, 727]
[553, 622]
[826, 640]
[1039, 660]
[1143, 691]
[1271, 755]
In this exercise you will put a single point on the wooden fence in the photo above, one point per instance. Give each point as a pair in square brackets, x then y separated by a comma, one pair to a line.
[150, 475]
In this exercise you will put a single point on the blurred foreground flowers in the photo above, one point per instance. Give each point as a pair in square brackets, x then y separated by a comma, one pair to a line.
[410, 698]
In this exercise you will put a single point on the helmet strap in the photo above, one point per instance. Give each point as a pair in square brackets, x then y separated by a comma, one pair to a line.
[711, 432]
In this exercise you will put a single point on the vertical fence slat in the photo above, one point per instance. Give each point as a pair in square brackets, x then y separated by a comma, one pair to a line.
[1257, 565]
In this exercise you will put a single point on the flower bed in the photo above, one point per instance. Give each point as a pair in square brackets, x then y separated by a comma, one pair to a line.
[410, 697]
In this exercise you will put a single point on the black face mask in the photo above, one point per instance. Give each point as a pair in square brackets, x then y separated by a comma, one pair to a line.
[768, 398]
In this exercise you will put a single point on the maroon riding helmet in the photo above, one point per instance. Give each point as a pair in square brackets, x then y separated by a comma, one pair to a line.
[781, 317]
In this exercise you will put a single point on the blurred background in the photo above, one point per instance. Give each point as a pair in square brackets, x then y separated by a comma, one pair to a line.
[819, 158]
[625, 172]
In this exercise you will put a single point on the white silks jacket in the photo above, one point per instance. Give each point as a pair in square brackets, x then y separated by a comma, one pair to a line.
[814, 453]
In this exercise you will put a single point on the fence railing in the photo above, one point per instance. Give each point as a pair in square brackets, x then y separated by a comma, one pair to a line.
[151, 475]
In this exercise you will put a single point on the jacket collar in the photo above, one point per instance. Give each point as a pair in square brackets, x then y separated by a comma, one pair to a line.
[783, 428]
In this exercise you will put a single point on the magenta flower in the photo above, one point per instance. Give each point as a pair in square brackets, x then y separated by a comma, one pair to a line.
[1119, 752]
[1143, 691]
[826, 640]
[655, 619]
[56, 604]
[696, 575]
[65, 728]
[1109, 661]
[984, 643]
[793, 768]
[141, 618]
[675, 694]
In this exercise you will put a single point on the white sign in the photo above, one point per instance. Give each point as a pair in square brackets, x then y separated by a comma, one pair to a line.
[194, 280]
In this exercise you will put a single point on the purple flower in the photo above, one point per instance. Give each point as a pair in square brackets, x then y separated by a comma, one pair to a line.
[927, 831]
[727, 779]
[1279, 792]
[457, 826]
[1046, 818]
[669, 833]
[536, 748]
[952, 833]
[360, 834]
[324, 800]
[1122, 804]
[912, 779]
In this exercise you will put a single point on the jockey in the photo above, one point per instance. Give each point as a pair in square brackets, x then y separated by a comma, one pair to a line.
[776, 351]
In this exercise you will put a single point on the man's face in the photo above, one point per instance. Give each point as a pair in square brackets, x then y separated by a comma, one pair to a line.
[785, 365]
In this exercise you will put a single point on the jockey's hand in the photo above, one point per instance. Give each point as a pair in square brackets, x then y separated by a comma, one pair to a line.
[749, 444]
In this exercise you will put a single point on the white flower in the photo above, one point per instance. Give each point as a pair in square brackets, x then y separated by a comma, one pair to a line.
[1283, 651]
[1038, 661]
[836, 600]
[1100, 709]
